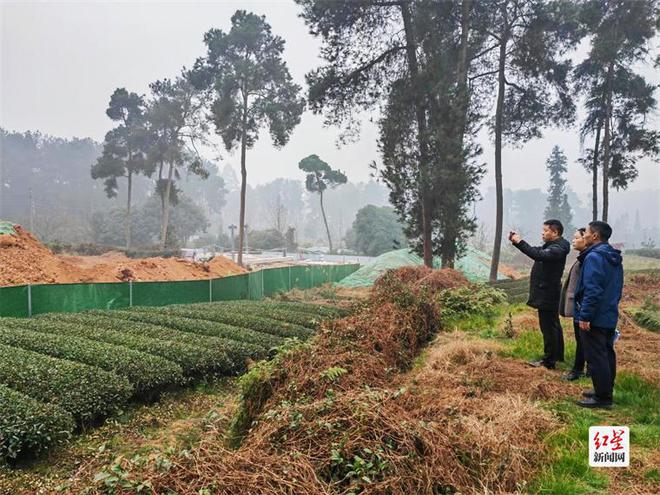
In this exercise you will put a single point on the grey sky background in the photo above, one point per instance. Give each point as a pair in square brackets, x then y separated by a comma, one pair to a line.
[60, 61]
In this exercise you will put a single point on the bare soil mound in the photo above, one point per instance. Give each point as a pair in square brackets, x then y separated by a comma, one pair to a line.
[25, 260]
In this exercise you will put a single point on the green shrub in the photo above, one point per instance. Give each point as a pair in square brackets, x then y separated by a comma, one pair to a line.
[321, 310]
[193, 359]
[87, 392]
[229, 355]
[238, 352]
[259, 341]
[470, 301]
[236, 318]
[307, 320]
[648, 319]
[147, 373]
[28, 426]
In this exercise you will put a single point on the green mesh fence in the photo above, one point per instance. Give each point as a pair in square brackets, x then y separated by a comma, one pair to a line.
[231, 288]
[276, 280]
[71, 298]
[14, 301]
[164, 293]
[26, 300]
[301, 277]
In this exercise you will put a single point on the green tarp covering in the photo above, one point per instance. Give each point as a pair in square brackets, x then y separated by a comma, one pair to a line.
[6, 227]
[474, 264]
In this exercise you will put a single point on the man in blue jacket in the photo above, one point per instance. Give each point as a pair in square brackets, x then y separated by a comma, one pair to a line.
[597, 297]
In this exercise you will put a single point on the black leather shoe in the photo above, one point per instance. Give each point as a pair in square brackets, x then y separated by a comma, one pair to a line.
[572, 376]
[538, 364]
[593, 403]
[589, 393]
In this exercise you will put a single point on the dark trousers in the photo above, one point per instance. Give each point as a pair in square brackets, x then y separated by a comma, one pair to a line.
[553, 337]
[578, 364]
[598, 346]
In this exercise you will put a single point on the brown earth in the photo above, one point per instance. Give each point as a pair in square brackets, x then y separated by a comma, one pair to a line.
[25, 260]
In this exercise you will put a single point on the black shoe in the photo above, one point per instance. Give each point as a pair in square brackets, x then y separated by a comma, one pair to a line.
[594, 403]
[536, 364]
[589, 393]
[572, 376]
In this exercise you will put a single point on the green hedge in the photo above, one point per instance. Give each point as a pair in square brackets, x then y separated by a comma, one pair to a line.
[307, 320]
[324, 310]
[239, 352]
[194, 360]
[147, 373]
[187, 321]
[28, 426]
[102, 322]
[87, 392]
[237, 318]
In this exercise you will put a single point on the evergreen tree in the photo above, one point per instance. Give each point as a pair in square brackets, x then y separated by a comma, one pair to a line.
[124, 149]
[530, 39]
[252, 87]
[558, 206]
[320, 177]
[618, 100]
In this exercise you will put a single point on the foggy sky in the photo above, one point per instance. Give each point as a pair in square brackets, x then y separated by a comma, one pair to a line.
[61, 61]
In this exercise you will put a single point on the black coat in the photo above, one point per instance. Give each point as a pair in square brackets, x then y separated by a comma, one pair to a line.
[545, 279]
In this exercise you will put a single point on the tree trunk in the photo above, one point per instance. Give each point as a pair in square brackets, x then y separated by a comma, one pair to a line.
[499, 116]
[162, 193]
[127, 226]
[166, 211]
[594, 174]
[241, 220]
[607, 141]
[426, 204]
[325, 221]
[460, 109]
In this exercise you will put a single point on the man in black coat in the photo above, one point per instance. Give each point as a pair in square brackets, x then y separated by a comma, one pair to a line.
[545, 287]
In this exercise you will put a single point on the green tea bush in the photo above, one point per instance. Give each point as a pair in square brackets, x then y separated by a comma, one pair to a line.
[236, 318]
[321, 310]
[87, 392]
[28, 426]
[471, 300]
[194, 360]
[258, 340]
[238, 352]
[648, 315]
[147, 373]
[307, 320]
[103, 323]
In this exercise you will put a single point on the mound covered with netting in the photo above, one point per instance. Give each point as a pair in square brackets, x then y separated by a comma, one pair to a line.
[474, 264]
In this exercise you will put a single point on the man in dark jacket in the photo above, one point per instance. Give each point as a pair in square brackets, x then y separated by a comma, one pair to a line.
[597, 297]
[545, 287]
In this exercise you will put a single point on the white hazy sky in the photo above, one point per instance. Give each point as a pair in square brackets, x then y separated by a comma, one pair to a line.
[60, 61]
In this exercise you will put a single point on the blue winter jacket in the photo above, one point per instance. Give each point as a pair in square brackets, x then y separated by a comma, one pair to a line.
[599, 287]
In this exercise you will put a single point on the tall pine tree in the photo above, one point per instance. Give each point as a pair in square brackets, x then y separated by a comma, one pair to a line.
[558, 207]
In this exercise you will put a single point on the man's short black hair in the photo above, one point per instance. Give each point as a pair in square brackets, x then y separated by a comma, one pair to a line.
[555, 225]
[602, 228]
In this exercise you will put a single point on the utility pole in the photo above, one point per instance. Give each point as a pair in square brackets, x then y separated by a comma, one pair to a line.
[232, 229]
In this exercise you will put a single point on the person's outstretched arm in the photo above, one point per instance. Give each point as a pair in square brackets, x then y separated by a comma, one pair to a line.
[552, 253]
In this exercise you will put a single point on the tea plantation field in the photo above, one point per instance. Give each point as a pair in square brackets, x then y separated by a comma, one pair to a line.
[60, 373]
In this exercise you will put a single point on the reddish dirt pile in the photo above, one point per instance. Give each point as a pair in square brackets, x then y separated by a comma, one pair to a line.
[24, 260]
